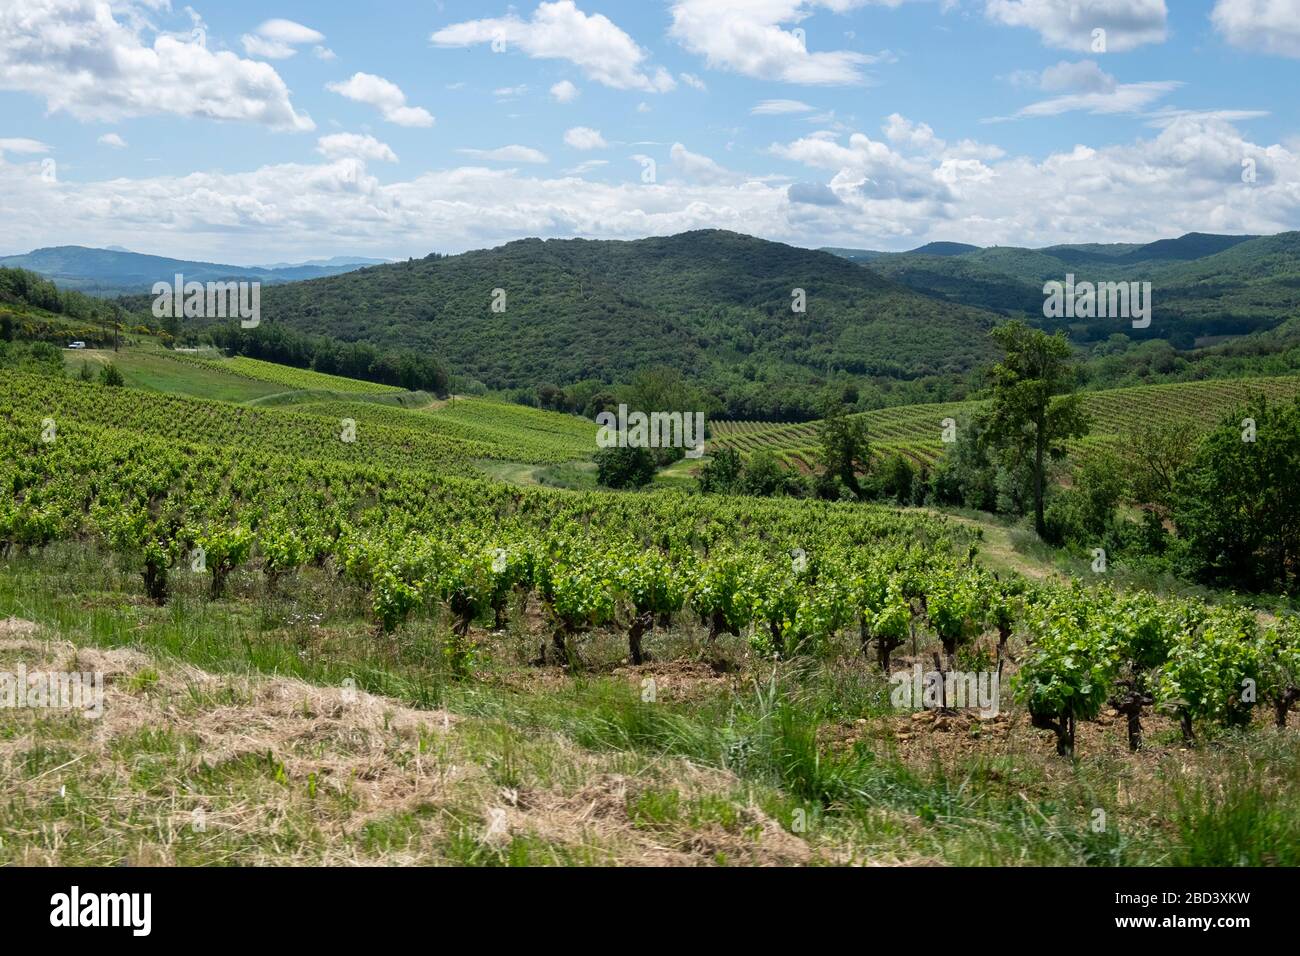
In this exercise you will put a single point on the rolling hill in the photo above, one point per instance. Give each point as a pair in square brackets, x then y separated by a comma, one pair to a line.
[119, 271]
[716, 306]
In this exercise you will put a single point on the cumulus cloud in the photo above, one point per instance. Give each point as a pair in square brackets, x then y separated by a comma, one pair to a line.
[1069, 24]
[83, 60]
[113, 140]
[507, 154]
[383, 95]
[584, 137]
[560, 31]
[1269, 26]
[763, 39]
[699, 168]
[358, 145]
[1183, 177]
[564, 92]
[812, 194]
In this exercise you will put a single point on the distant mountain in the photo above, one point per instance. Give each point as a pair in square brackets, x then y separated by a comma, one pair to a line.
[853, 255]
[1203, 285]
[332, 261]
[716, 306]
[943, 249]
[929, 249]
[1194, 245]
[118, 271]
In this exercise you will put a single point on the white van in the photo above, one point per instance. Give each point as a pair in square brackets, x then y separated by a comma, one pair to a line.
[77, 345]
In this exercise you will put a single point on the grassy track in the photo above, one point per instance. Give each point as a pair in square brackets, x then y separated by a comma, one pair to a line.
[160, 372]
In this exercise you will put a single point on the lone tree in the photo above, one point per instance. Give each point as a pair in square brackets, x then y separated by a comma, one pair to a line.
[846, 448]
[1034, 411]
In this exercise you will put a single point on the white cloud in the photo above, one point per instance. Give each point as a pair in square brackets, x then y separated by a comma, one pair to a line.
[585, 167]
[693, 81]
[113, 140]
[560, 31]
[1086, 86]
[902, 132]
[700, 169]
[385, 96]
[1069, 24]
[510, 92]
[1163, 117]
[20, 144]
[338, 145]
[750, 37]
[1270, 26]
[777, 107]
[83, 60]
[1082, 77]
[276, 39]
[507, 154]
[564, 92]
[584, 137]
[287, 31]
[323, 53]
[1125, 98]
[1184, 177]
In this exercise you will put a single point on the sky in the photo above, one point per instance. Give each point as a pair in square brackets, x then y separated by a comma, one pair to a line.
[247, 133]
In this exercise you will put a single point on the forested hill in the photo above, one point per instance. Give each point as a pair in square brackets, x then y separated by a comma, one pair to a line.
[715, 305]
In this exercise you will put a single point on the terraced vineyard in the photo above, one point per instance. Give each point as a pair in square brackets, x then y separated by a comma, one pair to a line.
[917, 430]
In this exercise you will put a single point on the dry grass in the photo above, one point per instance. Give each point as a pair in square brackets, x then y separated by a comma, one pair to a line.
[190, 767]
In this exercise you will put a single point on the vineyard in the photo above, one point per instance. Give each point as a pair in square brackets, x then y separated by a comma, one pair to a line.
[517, 432]
[775, 631]
[158, 480]
[917, 430]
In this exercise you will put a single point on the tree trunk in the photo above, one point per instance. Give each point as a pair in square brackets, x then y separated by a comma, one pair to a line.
[1040, 525]
[640, 624]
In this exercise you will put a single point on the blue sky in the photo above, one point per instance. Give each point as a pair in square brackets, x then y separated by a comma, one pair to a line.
[254, 132]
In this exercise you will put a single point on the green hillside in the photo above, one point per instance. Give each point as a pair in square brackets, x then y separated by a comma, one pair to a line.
[714, 305]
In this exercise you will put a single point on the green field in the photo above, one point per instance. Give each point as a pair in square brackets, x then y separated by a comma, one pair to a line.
[161, 371]
[287, 378]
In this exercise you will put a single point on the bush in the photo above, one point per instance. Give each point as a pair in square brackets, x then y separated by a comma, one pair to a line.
[110, 376]
[624, 467]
